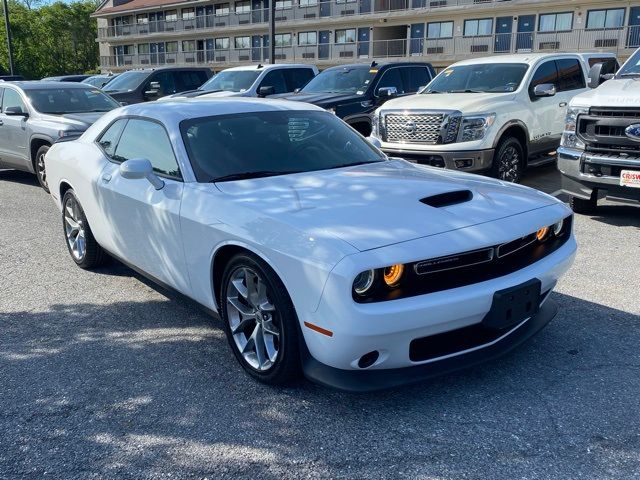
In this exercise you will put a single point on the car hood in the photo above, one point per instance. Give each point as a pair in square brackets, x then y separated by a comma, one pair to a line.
[374, 205]
[80, 121]
[624, 92]
[222, 93]
[464, 102]
[321, 99]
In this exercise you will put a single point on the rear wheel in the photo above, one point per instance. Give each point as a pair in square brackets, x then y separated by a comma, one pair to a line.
[508, 160]
[584, 206]
[41, 171]
[82, 247]
[260, 320]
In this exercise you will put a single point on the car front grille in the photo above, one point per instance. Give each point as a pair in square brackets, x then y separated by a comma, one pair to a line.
[603, 131]
[420, 128]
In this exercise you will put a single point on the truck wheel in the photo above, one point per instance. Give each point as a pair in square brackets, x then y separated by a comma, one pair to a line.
[41, 172]
[508, 161]
[584, 206]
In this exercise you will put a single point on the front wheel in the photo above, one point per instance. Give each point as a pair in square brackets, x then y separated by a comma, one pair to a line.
[260, 321]
[584, 206]
[41, 171]
[508, 160]
[83, 248]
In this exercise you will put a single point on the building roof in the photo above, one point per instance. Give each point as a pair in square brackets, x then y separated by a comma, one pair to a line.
[137, 5]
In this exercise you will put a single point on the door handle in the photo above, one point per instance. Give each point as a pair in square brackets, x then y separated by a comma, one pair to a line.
[562, 104]
[106, 178]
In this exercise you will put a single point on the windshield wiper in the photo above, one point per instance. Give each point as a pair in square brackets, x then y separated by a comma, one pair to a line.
[248, 175]
[467, 90]
[432, 91]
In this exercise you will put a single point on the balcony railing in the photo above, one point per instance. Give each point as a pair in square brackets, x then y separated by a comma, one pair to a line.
[299, 11]
[620, 41]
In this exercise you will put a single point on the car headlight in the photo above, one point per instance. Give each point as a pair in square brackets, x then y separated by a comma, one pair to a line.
[475, 127]
[363, 283]
[373, 282]
[69, 133]
[569, 137]
[375, 124]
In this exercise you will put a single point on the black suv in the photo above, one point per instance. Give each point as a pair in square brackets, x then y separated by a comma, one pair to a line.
[352, 92]
[137, 86]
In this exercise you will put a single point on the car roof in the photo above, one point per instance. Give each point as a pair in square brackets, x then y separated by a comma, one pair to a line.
[45, 84]
[270, 66]
[160, 69]
[177, 110]
[528, 58]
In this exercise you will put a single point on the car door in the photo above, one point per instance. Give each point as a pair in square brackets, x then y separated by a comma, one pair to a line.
[144, 222]
[297, 77]
[274, 79]
[571, 82]
[543, 110]
[14, 134]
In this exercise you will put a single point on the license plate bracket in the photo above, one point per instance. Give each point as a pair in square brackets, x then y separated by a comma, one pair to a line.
[513, 305]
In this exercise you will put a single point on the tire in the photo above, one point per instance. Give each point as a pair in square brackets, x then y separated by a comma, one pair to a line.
[254, 304]
[39, 167]
[76, 228]
[584, 206]
[508, 161]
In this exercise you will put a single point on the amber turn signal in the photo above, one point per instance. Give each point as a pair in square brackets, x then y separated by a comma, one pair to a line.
[542, 233]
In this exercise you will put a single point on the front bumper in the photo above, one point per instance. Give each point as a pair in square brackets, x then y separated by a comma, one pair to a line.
[576, 181]
[361, 381]
[464, 160]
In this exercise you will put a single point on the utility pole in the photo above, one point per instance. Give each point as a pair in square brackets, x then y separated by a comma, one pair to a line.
[8, 27]
[272, 30]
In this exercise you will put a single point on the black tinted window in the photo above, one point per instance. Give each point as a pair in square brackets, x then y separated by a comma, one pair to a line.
[191, 80]
[109, 138]
[275, 79]
[391, 78]
[272, 143]
[414, 78]
[145, 139]
[546, 73]
[570, 76]
[167, 83]
[297, 77]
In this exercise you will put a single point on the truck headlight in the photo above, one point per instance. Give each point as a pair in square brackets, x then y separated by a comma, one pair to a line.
[569, 137]
[475, 127]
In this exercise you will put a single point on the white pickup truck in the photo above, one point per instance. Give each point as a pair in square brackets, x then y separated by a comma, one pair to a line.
[497, 114]
[600, 148]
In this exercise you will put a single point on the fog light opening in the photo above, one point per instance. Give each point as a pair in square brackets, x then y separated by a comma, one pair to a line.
[464, 163]
[368, 359]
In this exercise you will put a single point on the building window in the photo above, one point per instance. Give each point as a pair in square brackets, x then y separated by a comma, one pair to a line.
[308, 38]
[242, 42]
[283, 40]
[188, 45]
[221, 9]
[222, 43]
[612, 18]
[555, 22]
[171, 15]
[308, 3]
[282, 4]
[171, 47]
[142, 19]
[243, 7]
[346, 36]
[440, 30]
[143, 48]
[477, 28]
[188, 13]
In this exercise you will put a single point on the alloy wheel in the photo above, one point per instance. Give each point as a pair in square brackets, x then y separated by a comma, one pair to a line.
[509, 167]
[41, 171]
[74, 228]
[253, 319]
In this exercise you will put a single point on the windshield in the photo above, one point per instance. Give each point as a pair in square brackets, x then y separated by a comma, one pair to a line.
[231, 81]
[484, 77]
[127, 81]
[96, 81]
[341, 80]
[70, 100]
[258, 144]
[631, 68]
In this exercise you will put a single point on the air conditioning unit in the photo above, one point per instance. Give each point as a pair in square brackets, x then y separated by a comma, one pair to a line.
[243, 58]
[243, 22]
[221, 59]
[220, 24]
[479, 48]
[171, 60]
[189, 60]
[606, 42]
[548, 45]
[347, 12]
[346, 54]
[309, 15]
[144, 62]
[282, 18]
[438, 3]
[281, 56]
[308, 55]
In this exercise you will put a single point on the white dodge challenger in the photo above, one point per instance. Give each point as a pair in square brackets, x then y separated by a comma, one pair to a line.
[320, 254]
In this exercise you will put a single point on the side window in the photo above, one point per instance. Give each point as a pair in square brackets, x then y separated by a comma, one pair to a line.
[190, 80]
[414, 78]
[297, 77]
[274, 79]
[109, 139]
[11, 98]
[166, 81]
[146, 139]
[570, 76]
[391, 78]
[546, 73]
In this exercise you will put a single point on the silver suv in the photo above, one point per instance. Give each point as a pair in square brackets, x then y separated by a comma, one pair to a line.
[34, 115]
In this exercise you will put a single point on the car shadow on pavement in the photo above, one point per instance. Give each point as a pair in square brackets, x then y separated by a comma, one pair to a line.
[148, 389]
[17, 176]
[618, 215]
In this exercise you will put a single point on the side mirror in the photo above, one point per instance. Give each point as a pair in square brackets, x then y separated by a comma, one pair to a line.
[544, 90]
[123, 104]
[297, 90]
[596, 77]
[387, 92]
[266, 91]
[153, 90]
[138, 168]
[374, 141]
[15, 112]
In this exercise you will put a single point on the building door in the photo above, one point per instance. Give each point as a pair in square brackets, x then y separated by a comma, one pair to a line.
[156, 22]
[363, 42]
[633, 37]
[417, 39]
[325, 9]
[209, 46]
[323, 44]
[265, 49]
[157, 53]
[526, 25]
[256, 44]
[256, 11]
[365, 6]
[503, 34]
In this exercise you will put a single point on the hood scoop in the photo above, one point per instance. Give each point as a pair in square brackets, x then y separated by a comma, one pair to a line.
[448, 198]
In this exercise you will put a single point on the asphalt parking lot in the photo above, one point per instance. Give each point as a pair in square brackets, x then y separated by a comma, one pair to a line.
[104, 375]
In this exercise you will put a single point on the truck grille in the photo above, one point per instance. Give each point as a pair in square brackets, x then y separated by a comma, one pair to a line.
[418, 128]
[603, 131]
